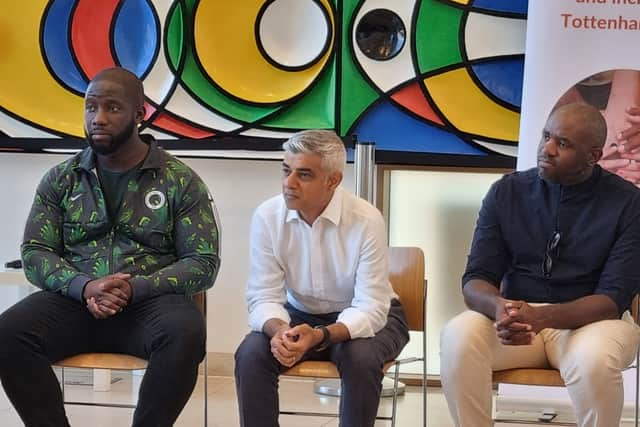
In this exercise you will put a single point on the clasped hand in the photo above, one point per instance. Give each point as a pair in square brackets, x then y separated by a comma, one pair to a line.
[108, 296]
[289, 345]
[516, 323]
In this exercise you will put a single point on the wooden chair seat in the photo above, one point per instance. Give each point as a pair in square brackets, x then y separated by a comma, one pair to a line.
[320, 369]
[115, 361]
[539, 377]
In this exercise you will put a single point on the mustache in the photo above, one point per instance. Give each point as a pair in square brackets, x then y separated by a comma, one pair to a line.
[544, 159]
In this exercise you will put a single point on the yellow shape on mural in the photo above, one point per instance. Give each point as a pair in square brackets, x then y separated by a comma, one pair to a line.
[229, 53]
[470, 110]
[27, 88]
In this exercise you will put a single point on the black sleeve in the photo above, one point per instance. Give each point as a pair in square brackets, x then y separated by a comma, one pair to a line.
[489, 256]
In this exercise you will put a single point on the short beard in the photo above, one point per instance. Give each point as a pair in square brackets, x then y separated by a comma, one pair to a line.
[117, 141]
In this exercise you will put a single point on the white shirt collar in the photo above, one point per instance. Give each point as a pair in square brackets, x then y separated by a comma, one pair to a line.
[332, 212]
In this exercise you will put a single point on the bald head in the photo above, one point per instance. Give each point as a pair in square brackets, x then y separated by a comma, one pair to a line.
[130, 82]
[114, 108]
[571, 144]
[589, 119]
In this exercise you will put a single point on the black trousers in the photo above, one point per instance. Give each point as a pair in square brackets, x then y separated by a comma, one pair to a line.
[45, 327]
[359, 362]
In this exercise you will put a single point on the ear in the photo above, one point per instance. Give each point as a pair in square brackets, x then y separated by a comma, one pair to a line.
[595, 155]
[334, 180]
[140, 113]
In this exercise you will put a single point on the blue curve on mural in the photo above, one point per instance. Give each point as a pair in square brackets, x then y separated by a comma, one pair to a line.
[408, 133]
[135, 36]
[503, 78]
[513, 6]
[55, 37]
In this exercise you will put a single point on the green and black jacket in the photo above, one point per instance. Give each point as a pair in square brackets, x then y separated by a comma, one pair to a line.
[164, 233]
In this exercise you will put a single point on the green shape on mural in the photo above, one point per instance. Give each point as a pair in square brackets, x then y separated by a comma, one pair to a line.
[175, 32]
[356, 94]
[200, 87]
[437, 33]
[315, 110]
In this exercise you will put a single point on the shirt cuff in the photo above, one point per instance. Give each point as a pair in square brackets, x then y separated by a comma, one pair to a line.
[356, 322]
[76, 287]
[140, 289]
[266, 311]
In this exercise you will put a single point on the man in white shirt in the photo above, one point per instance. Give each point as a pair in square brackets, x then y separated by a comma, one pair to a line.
[318, 287]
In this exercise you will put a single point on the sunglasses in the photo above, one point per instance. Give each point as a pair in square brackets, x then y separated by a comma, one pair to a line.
[552, 246]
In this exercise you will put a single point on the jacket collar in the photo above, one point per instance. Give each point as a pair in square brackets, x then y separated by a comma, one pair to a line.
[152, 161]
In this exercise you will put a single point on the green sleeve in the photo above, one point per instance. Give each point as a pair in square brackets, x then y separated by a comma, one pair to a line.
[42, 245]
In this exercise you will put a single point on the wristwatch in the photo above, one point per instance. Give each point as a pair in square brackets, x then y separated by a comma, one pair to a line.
[326, 338]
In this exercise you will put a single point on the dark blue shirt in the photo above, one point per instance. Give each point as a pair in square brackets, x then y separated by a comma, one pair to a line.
[599, 247]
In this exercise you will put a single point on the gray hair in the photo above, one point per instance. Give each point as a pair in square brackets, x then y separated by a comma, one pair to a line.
[324, 143]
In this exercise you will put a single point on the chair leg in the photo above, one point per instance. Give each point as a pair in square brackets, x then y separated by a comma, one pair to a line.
[206, 419]
[424, 355]
[637, 386]
[424, 391]
[395, 395]
[424, 372]
[62, 383]
[637, 300]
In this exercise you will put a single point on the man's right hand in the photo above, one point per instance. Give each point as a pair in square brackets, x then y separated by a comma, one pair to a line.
[108, 295]
[98, 311]
[280, 343]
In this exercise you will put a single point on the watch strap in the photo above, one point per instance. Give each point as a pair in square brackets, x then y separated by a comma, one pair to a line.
[326, 338]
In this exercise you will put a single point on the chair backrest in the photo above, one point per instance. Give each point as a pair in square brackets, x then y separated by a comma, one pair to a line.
[201, 297]
[201, 301]
[406, 274]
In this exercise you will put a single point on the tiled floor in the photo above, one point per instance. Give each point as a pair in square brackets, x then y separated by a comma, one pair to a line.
[295, 394]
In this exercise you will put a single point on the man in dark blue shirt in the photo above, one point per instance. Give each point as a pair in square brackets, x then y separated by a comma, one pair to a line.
[551, 275]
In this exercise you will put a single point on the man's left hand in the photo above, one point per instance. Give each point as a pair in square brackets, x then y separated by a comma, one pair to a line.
[116, 290]
[302, 339]
[121, 288]
[520, 313]
[289, 346]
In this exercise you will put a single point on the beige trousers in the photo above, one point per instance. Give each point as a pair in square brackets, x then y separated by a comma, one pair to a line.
[590, 359]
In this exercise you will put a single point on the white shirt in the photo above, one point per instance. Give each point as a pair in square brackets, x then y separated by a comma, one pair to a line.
[338, 264]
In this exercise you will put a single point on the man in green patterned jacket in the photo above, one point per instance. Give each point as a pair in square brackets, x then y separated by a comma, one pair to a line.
[119, 237]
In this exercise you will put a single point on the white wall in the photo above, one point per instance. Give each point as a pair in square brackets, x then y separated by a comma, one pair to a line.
[237, 186]
[437, 211]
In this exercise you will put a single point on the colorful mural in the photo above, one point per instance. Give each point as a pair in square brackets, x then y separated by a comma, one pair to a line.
[424, 79]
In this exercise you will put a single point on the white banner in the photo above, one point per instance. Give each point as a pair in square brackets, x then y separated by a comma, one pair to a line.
[579, 51]
[584, 51]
